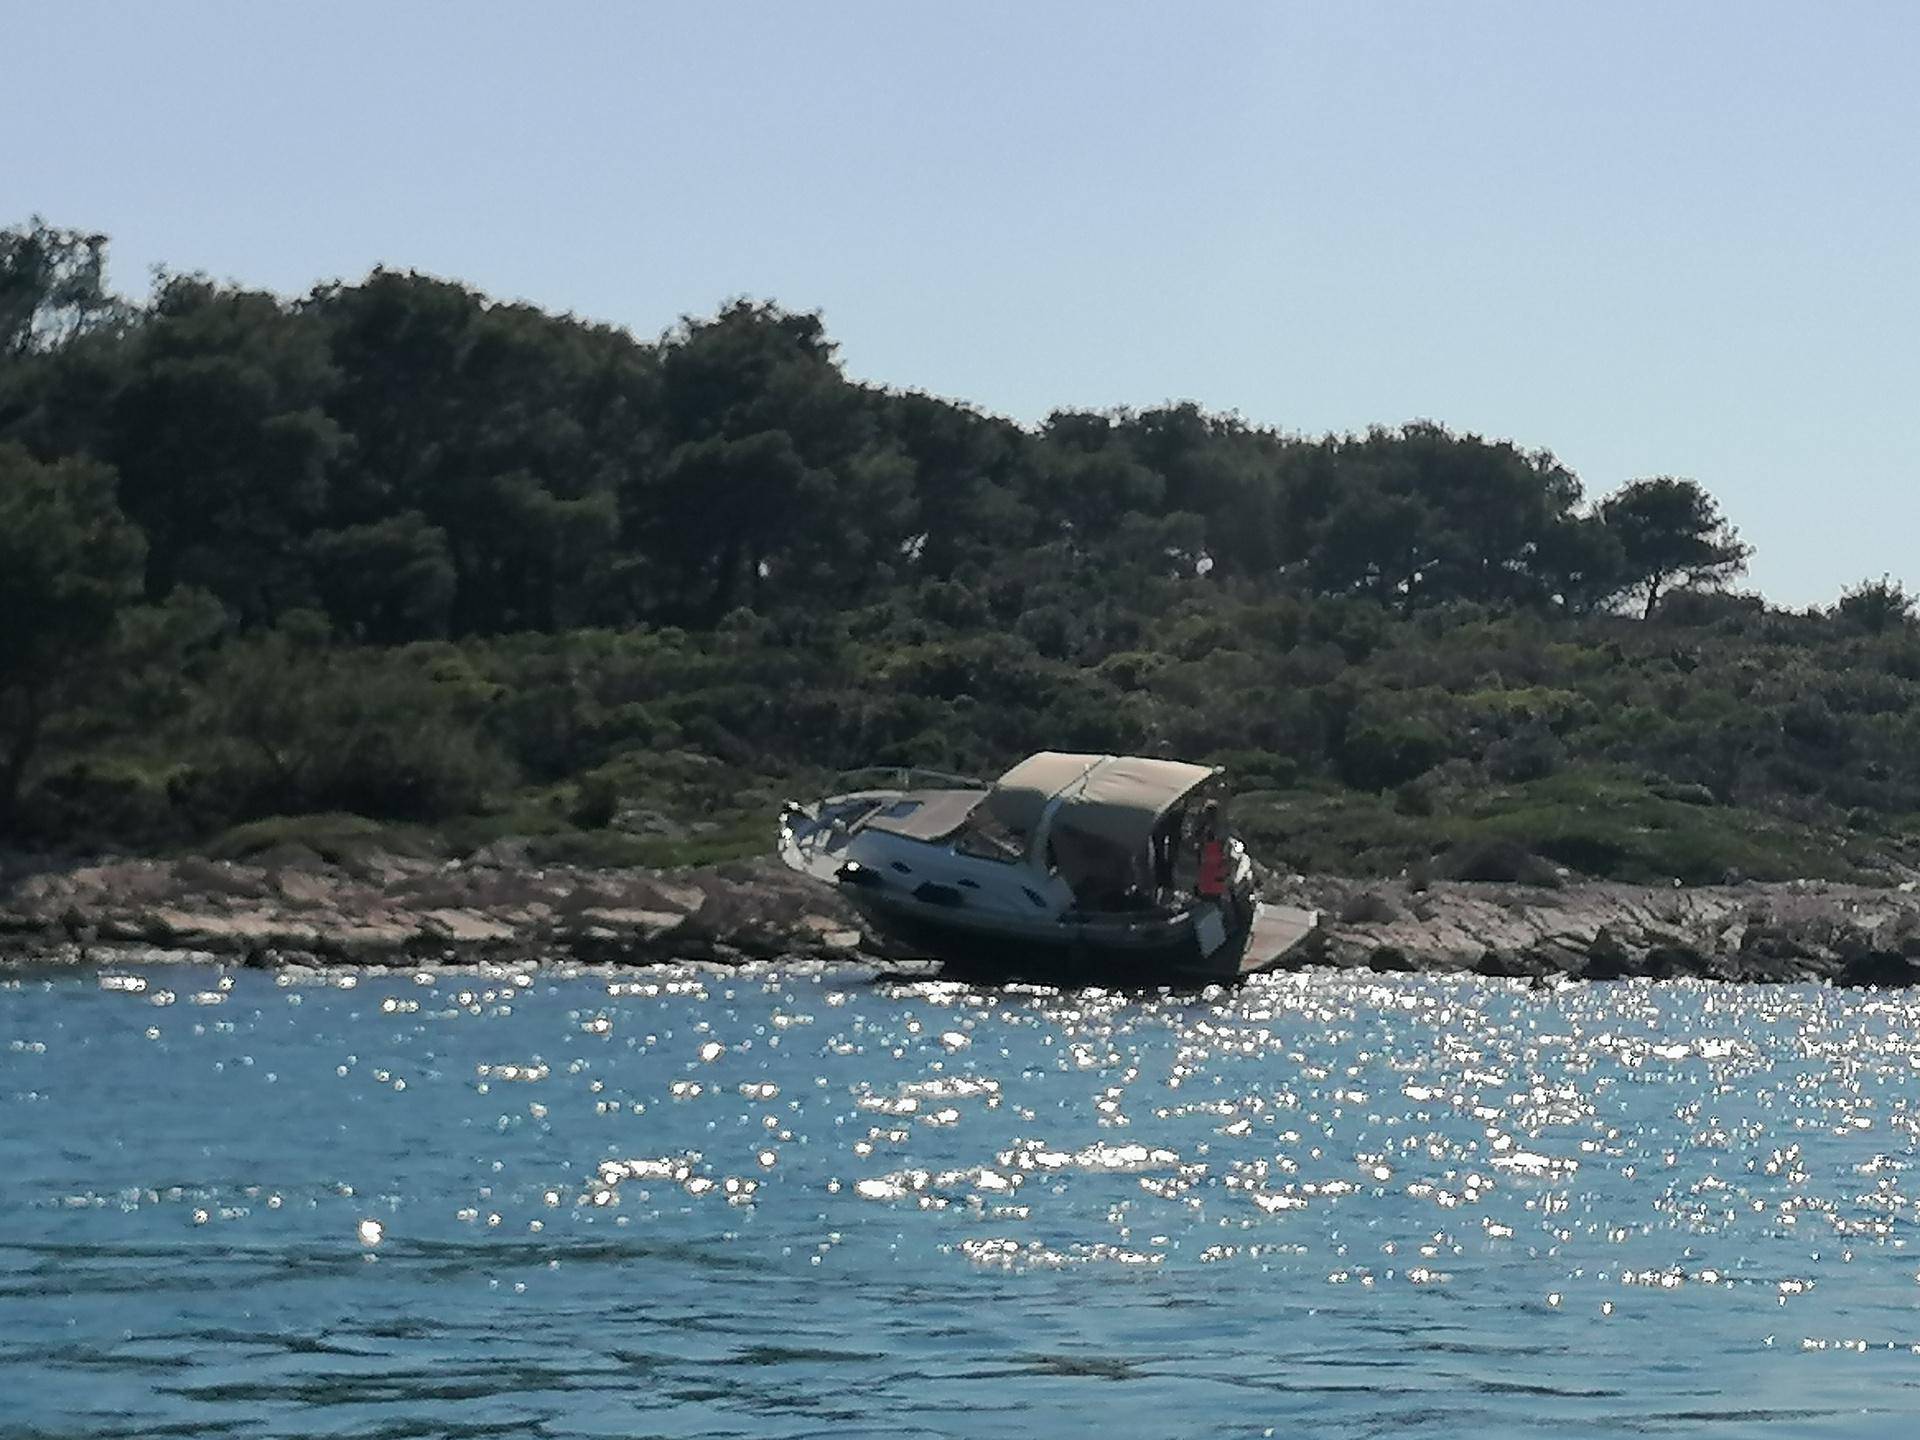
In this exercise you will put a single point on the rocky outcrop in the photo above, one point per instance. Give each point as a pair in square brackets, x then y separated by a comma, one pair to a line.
[291, 907]
[1597, 930]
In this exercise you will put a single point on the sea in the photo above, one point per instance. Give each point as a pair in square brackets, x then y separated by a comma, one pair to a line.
[793, 1200]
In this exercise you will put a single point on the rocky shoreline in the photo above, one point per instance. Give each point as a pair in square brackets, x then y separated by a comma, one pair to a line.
[291, 907]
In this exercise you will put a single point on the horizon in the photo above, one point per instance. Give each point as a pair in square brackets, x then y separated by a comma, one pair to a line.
[1649, 243]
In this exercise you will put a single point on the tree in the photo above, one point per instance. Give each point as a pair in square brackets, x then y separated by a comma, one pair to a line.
[387, 582]
[963, 467]
[1876, 606]
[1218, 468]
[60, 334]
[52, 288]
[69, 563]
[507, 431]
[1671, 530]
[1085, 480]
[727, 507]
[1486, 509]
[223, 450]
[1374, 543]
[1581, 566]
[776, 482]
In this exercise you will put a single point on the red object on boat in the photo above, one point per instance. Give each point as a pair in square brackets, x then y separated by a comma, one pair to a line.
[1213, 869]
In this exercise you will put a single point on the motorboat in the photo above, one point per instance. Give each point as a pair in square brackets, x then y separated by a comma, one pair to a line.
[1095, 869]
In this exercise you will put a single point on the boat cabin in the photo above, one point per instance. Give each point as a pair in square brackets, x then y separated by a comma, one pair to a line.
[1095, 833]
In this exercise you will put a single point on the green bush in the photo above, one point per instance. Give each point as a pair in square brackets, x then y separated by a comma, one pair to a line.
[1381, 754]
[596, 801]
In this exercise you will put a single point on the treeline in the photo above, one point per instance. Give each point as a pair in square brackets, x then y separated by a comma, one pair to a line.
[416, 462]
[395, 549]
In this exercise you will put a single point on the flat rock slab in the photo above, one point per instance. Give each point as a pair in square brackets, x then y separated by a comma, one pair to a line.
[466, 926]
[648, 923]
[375, 913]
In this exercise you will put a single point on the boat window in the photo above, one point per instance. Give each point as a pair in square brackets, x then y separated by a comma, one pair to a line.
[985, 838]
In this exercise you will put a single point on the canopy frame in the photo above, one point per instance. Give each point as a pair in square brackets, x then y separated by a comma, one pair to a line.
[1103, 807]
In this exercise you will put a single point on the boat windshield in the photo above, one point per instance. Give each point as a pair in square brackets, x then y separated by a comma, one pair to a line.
[986, 837]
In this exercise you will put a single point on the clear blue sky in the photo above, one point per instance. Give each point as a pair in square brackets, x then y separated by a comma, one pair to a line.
[1651, 237]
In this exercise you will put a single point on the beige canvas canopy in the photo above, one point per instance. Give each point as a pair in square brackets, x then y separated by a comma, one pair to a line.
[1111, 798]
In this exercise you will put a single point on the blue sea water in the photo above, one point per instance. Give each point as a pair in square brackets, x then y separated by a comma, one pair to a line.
[791, 1201]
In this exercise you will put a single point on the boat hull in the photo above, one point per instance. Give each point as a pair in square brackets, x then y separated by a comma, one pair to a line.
[1093, 953]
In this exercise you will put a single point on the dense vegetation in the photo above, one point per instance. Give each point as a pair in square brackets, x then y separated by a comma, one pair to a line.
[426, 568]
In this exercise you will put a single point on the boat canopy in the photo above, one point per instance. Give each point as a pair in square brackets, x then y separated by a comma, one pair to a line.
[1112, 798]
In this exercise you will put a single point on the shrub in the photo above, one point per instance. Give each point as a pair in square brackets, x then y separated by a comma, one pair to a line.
[1876, 606]
[100, 801]
[1382, 754]
[1532, 754]
[596, 801]
[1414, 798]
[1494, 858]
[366, 732]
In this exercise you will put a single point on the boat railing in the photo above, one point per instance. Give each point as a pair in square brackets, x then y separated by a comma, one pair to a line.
[902, 777]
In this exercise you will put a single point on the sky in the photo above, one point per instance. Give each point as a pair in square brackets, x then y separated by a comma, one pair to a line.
[1654, 238]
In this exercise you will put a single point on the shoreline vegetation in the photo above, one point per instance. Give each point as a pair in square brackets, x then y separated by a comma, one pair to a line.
[393, 570]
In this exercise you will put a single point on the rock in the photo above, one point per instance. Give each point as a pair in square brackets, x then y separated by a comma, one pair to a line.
[465, 926]
[219, 877]
[1390, 959]
[1607, 968]
[303, 887]
[1369, 907]
[388, 909]
[649, 823]
[1671, 961]
[1769, 970]
[288, 855]
[1498, 964]
[507, 853]
[647, 924]
[1887, 970]
[1502, 860]
[1557, 955]
[379, 867]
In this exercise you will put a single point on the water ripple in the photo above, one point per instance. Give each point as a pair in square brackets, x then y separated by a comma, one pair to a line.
[801, 1200]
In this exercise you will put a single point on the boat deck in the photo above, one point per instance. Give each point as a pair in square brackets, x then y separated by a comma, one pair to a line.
[1278, 930]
